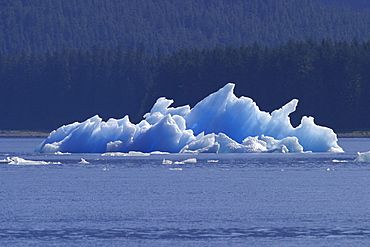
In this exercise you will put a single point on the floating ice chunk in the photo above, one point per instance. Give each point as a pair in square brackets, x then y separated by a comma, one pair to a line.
[158, 153]
[60, 153]
[363, 157]
[212, 161]
[220, 123]
[179, 163]
[191, 160]
[83, 161]
[134, 153]
[21, 161]
[339, 161]
[131, 153]
[7, 160]
[114, 154]
[166, 162]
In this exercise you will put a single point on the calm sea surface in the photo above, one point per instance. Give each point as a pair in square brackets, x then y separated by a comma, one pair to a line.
[320, 199]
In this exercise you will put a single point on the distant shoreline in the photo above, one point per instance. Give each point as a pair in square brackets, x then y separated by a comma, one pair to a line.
[22, 134]
[36, 134]
[355, 134]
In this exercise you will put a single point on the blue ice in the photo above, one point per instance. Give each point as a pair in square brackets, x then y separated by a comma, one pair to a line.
[220, 123]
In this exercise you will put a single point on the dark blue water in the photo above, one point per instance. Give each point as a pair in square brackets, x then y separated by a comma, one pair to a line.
[241, 200]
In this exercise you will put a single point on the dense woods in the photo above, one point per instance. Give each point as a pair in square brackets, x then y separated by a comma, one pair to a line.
[43, 91]
[169, 25]
[64, 61]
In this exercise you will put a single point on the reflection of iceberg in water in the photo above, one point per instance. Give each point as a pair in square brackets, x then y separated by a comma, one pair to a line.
[220, 123]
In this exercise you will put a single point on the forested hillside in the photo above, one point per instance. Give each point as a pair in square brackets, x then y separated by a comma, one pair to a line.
[63, 61]
[168, 25]
[44, 91]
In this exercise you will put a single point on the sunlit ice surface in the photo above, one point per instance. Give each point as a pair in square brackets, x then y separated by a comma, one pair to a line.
[220, 123]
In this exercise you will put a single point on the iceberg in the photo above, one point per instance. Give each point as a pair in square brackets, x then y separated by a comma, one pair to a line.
[220, 123]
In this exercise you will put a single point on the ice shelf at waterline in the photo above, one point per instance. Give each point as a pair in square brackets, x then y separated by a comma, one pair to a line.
[220, 123]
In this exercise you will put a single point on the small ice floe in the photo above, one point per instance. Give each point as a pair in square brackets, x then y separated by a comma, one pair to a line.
[212, 161]
[7, 160]
[176, 169]
[158, 153]
[135, 153]
[131, 153]
[339, 161]
[20, 161]
[105, 169]
[166, 162]
[363, 157]
[60, 153]
[191, 160]
[83, 161]
[114, 154]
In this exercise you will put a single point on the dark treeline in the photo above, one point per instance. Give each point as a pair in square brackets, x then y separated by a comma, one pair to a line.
[43, 91]
[41, 25]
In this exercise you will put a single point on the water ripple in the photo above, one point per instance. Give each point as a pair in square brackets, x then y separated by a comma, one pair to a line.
[170, 233]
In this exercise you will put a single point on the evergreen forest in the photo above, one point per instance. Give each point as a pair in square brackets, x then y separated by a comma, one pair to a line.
[170, 25]
[43, 91]
[63, 61]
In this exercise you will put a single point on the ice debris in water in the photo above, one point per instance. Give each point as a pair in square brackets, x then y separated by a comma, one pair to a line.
[166, 162]
[363, 157]
[60, 153]
[191, 160]
[6, 160]
[83, 161]
[339, 161]
[21, 161]
[169, 162]
[220, 123]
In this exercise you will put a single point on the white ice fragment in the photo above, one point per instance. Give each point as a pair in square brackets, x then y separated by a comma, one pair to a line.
[131, 153]
[212, 161]
[363, 157]
[7, 160]
[60, 153]
[191, 160]
[21, 161]
[166, 162]
[158, 153]
[114, 154]
[134, 153]
[83, 161]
